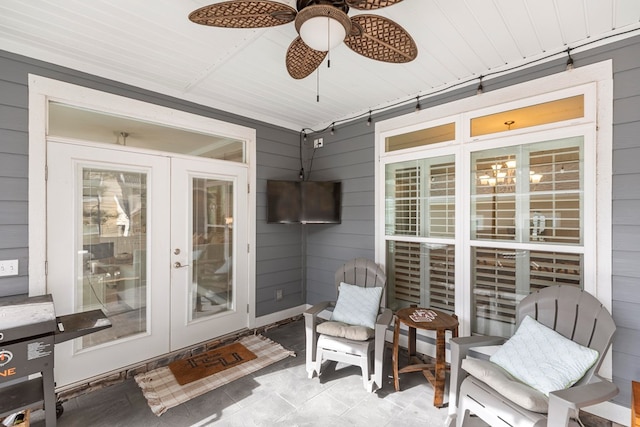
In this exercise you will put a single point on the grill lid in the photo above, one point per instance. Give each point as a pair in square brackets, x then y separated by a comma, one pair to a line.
[22, 317]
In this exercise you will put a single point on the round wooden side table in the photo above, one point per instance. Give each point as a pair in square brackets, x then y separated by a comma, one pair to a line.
[433, 372]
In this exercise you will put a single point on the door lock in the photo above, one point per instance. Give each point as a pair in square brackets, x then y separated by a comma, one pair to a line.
[176, 251]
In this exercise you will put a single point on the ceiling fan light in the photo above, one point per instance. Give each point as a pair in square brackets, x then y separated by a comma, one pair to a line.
[322, 33]
[322, 27]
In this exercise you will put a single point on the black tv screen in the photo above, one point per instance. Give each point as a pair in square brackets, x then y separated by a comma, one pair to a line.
[321, 202]
[306, 202]
[283, 202]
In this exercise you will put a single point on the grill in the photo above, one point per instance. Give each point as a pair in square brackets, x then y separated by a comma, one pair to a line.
[29, 330]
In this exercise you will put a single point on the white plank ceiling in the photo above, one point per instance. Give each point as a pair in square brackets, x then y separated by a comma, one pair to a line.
[151, 44]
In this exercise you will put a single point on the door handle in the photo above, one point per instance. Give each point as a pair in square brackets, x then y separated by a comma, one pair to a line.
[178, 265]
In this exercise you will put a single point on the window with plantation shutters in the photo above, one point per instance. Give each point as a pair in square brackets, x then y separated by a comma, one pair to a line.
[556, 197]
[530, 197]
[442, 277]
[406, 201]
[441, 200]
[424, 274]
[502, 277]
[527, 200]
[420, 203]
[555, 268]
[493, 203]
[494, 278]
[406, 264]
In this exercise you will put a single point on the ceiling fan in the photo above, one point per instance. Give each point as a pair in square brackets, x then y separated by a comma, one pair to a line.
[321, 25]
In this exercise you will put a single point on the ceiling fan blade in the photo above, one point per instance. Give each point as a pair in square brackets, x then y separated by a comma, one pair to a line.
[371, 4]
[244, 14]
[302, 60]
[381, 39]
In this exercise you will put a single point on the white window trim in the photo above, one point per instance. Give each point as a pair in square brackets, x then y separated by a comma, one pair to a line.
[599, 75]
[42, 90]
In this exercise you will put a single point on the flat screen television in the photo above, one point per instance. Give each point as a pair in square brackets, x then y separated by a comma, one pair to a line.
[306, 202]
[283, 202]
[321, 202]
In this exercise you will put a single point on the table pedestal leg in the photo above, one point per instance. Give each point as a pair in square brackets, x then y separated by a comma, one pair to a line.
[439, 371]
[411, 345]
[396, 344]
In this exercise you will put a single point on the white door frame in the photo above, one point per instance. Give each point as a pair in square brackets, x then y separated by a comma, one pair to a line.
[42, 90]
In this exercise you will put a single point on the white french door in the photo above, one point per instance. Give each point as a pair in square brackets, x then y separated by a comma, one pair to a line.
[209, 250]
[152, 240]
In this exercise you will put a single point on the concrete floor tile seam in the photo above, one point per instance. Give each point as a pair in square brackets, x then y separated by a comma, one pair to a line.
[369, 420]
[340, 400]
[302, 403]
[388, 401]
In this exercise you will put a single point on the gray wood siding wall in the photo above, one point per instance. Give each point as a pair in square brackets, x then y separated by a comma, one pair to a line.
[348, 155]
[280, 246]
[13, 183]
[277, 253]
[626, 217]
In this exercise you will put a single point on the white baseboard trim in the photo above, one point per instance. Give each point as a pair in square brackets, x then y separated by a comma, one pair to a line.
[279, 316]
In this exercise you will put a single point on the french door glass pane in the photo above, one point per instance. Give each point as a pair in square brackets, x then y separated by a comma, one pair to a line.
[112, 267]
[212, 272]
[422, 274]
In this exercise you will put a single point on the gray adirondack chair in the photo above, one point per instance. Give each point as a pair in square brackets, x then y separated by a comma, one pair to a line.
[367, 353]
[575, 314]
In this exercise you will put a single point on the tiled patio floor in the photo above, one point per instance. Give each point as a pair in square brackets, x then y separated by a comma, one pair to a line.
[280, 394]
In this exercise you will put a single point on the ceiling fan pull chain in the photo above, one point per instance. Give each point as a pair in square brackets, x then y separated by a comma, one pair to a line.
[328, 42]
[318, 84]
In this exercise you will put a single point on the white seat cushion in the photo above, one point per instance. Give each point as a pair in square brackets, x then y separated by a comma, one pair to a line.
[505, 384]
[343, 330]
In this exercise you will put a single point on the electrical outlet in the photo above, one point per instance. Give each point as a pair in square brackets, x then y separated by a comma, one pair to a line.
[279, 294]
[318, 143]
[9, 267]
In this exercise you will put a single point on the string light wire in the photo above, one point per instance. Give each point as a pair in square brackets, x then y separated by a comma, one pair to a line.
[468, 81]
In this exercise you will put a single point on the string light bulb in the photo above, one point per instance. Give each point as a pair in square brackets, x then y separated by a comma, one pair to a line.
[369, 119]
[480, 89]
[418, 107]
[304, 136]
[569, 60]
[333, 128]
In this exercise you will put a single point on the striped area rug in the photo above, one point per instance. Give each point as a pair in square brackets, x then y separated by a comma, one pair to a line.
[163, 392]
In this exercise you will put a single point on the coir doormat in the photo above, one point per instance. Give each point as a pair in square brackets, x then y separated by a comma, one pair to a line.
[209, 363]
[162, 391]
